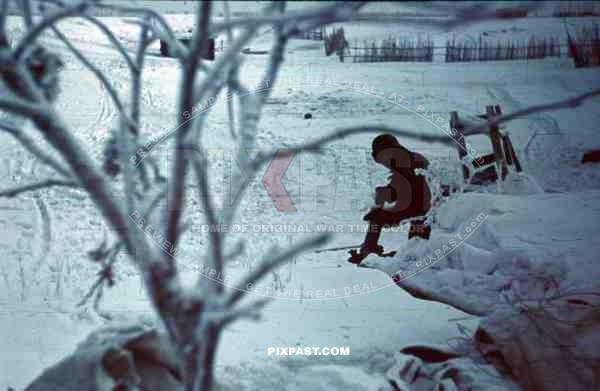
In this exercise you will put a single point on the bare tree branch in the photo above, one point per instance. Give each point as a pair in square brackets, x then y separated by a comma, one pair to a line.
[111, 37]
[136, 74]
[273, 262]
[339, 134]
[237, 250]
[165, 32]
[30, 145]
[37, 186]
[250, 311]
[276, 58]
[562, 104]
[33, 34]
[331, 13]
[22, 107]
[199, 43]
[104, 273]
[186, 104]
[200, 165]
[230, 108]
[98, 73]
[27, 15]
[3, 16]
[250, 107]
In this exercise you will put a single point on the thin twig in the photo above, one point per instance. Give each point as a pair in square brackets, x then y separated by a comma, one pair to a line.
[273, 262]
[339, 134]
[562, 104]
[103, 274]
[250, 311]
[38, 186]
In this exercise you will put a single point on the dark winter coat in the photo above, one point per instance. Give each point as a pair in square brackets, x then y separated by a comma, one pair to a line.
[408, 191]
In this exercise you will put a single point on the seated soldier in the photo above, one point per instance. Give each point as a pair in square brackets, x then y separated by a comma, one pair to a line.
[407, 191]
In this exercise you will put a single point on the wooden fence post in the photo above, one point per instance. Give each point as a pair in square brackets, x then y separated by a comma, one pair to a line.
[511, 155]
[462, 147]
[496, 139]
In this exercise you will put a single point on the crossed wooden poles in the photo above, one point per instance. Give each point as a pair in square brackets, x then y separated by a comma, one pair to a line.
[502, 157]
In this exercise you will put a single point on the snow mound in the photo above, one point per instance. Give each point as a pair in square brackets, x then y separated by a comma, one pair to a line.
[488, 250]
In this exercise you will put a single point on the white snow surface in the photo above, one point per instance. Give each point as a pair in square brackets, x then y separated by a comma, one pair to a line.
[543, 220]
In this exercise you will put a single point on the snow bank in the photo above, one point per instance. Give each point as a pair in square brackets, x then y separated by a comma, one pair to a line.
[489, 249]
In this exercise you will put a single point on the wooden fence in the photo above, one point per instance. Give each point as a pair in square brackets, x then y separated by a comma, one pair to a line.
[392, 50]
[502, 51]
[317, 34]
[584, 47]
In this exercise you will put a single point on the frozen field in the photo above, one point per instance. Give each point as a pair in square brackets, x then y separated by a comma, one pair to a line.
[40, 323]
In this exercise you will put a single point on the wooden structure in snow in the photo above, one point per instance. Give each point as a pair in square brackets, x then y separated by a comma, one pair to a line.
[488, 166]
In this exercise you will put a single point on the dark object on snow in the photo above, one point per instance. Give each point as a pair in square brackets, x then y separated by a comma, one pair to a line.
[250, 51]
[307, 116]
[208, 55]
[431, 354]
[111, 164]
[357, 257]
[591, 156]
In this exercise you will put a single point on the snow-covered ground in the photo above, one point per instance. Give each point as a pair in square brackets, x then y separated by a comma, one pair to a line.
[548, 216]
